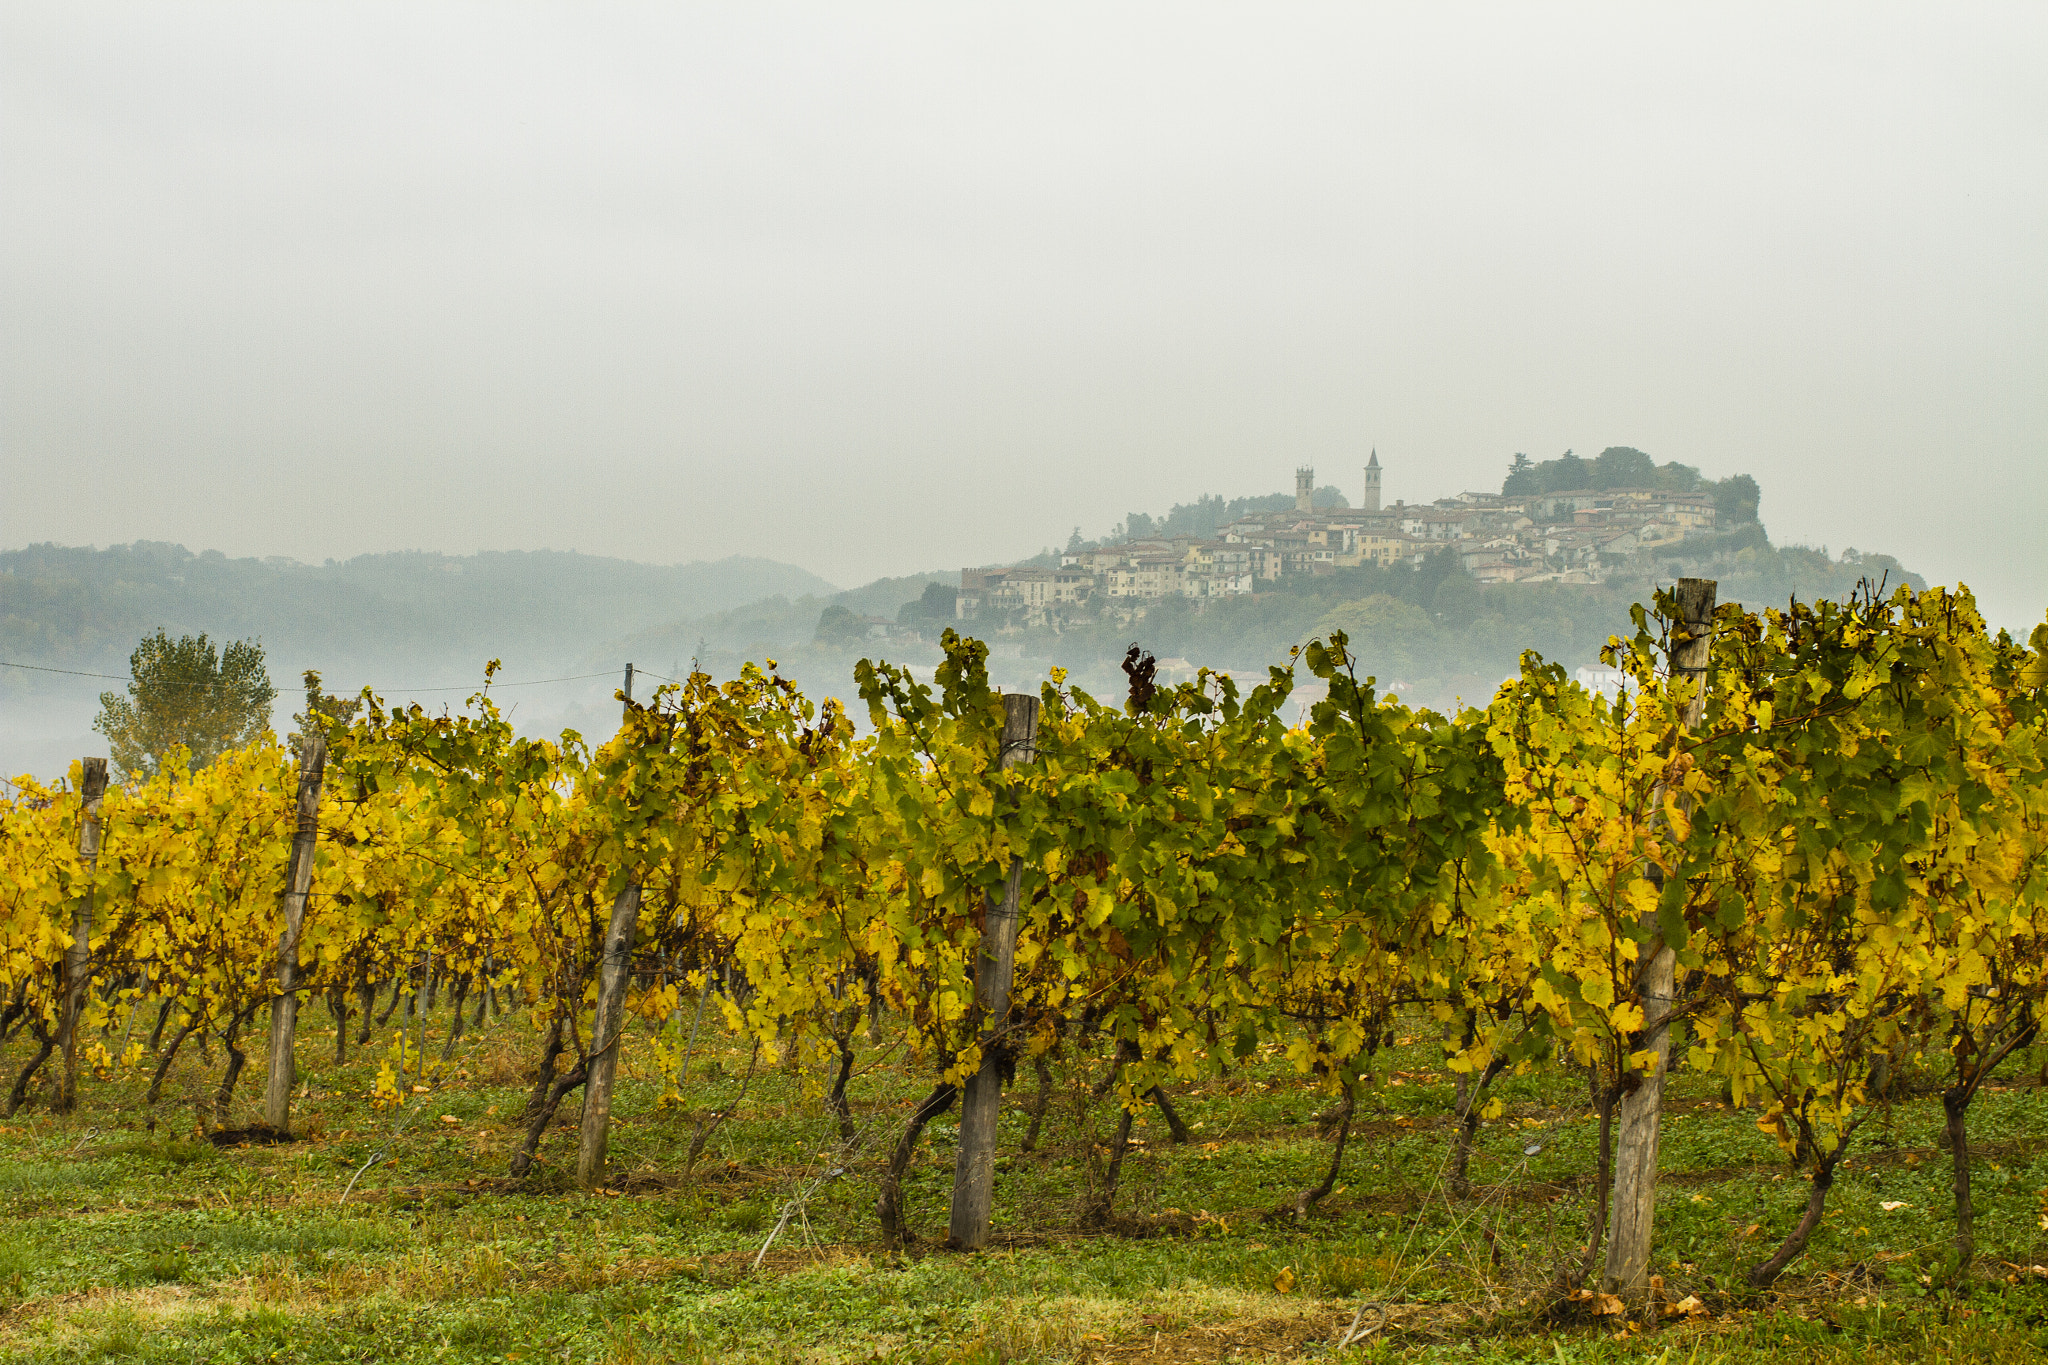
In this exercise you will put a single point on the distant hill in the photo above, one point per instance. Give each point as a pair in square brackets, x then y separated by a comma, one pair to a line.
[370, 619]
[407, 624]
[776, 625]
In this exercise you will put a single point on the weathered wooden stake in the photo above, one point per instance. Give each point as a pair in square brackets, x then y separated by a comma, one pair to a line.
[974, 1169]
[613, 974]
[284, 1006]
[92, 789]
[1635, 1150]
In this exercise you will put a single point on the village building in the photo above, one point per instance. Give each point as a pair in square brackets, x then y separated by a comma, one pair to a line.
[1573, 536]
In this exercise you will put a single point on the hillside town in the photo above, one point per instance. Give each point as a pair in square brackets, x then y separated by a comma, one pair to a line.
[1577, 536]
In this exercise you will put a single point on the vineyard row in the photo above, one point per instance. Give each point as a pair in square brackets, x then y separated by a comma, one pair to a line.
[1802, 852]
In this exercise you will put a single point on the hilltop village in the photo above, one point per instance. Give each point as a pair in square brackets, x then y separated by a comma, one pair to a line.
[1577, 536]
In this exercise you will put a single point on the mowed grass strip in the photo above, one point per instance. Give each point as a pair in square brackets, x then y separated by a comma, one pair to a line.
[127, 1236]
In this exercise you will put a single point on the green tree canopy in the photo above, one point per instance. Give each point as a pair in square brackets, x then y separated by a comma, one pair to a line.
[1457, 601]
[1624, 467]
[1677, 478]
[1627, 467]
[1566, 474]
[1735, 501]
[1522, 477]
[187, 692]
[937, 604]
[1391, 638]
[840, 628]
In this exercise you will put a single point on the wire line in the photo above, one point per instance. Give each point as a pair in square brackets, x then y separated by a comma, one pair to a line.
[74, 672]
[460, 687]
[470, 687]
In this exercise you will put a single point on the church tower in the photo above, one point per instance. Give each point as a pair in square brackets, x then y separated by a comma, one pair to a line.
[1305, 489]
[1372, 481]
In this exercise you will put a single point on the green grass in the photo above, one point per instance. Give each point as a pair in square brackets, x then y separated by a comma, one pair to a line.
[123, 1236]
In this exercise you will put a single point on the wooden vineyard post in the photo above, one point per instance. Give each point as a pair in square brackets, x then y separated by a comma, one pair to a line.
[613, 973]
[284, 1006]
[974, 1169]
[1637, 1118]
[92, 789]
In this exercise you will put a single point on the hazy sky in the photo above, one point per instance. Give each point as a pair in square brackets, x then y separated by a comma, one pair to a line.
[874, 289]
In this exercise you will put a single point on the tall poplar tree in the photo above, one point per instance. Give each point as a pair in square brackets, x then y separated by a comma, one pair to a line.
[186, 691]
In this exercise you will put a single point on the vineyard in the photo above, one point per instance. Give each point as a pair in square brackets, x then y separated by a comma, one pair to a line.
[1797, 866]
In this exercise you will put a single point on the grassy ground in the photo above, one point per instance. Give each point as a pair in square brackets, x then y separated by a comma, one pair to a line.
[126, 1237]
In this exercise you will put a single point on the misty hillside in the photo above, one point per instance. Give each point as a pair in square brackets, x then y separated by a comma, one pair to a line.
[772, 625]
[420, 626]
[415, 626]
[1431, 632]
[357, 621]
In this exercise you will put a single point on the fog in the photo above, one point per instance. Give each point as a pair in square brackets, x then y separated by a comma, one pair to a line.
[880, 289]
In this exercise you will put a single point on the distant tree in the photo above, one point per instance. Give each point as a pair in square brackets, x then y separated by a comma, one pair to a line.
[186, 692]
[1881, 569]
[937, 604]
[1430, 574]
[1566, 474]
[1677, 478]
[1623, 467]
[1391, 638]
[1522, 478]
[1736, 499]
[1208, 514]
[1074, 540]
[1457, 601]
[839, 627]
[1198, 518]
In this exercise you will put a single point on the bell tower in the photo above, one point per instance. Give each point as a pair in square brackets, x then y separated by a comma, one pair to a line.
[1372, 481]
[1305, 489]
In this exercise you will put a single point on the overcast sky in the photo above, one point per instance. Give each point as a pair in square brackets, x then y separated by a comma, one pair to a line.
[874, 289]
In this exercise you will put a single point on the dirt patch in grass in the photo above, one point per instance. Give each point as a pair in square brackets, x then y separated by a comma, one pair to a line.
[62, 1317]
[1286, 1335]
